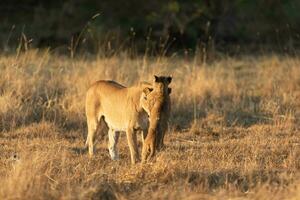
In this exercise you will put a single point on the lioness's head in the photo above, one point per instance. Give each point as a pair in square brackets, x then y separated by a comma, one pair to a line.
[153, 99]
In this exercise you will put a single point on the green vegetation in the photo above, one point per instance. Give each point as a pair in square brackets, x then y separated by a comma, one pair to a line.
[172, 25]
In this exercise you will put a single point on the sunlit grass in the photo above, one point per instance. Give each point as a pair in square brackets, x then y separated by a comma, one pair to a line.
[234, 129]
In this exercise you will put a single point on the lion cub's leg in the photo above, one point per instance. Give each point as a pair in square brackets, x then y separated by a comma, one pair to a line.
[160, 136]
[113, 137]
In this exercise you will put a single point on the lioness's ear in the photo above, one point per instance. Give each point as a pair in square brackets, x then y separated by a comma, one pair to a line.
[169, 79]
[156, 78]
[169, 90]
[147, 90]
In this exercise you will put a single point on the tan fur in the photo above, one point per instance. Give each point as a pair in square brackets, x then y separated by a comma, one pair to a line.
[123, 109]
[159, 104]
[165, 112]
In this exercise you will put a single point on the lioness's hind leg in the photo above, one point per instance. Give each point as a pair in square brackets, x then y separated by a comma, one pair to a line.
[92, 127]
[113, 137]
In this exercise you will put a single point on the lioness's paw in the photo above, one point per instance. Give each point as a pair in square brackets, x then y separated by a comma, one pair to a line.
[113, 155]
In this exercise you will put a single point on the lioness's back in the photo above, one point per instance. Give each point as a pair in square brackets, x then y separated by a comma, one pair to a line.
[106, 96]
[104, 87]
[107, 85]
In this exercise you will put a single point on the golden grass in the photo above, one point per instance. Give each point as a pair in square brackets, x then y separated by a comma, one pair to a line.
[234, 130]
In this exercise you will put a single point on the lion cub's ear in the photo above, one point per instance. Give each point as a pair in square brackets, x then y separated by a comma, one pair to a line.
[169, 79]
[158, 79]
[169, 90]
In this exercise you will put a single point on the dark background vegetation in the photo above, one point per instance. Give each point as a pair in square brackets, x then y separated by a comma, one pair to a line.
[153, 26]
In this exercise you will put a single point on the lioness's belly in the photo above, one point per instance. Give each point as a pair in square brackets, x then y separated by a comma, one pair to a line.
[116, 125]
[121, 123]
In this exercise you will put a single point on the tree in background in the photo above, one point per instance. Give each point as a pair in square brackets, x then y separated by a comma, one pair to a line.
[178, 24]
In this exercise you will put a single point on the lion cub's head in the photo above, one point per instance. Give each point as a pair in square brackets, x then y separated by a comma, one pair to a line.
[156, 93]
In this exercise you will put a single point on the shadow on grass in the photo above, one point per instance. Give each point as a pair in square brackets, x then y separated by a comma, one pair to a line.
[242, 111]
[199, 181]
[105, 191]
[242, 181]
[79, 150]
[84, 150]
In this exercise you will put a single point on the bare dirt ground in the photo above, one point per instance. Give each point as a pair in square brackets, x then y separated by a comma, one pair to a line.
[234, 131]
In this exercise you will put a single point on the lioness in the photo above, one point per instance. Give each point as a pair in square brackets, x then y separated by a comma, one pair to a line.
[123, 109]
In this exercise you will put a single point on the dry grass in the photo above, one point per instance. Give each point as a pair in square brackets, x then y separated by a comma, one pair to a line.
[234, 130]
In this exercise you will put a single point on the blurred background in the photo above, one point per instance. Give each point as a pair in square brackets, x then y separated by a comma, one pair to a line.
[152, 27]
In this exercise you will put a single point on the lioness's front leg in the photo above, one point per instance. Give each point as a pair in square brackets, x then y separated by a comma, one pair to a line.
[132, 143]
